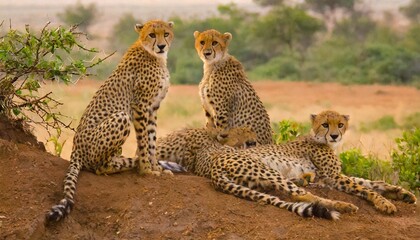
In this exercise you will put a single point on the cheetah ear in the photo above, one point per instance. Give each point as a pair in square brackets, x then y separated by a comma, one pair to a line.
[171, 24]
[196, 33]
[138, 27]
[313, 116]
[227, 36]
[347, 117]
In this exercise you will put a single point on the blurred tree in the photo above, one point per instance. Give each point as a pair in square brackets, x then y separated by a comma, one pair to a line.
[285, 26]
[412, 11]
[123, 33]
[80, 15]
[329, 8]
[357, 27]
[411, 38]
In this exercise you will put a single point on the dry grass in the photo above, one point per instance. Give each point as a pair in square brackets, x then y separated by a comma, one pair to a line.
[284, 100]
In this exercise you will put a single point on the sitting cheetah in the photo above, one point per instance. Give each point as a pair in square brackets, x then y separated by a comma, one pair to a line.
[204, 155]
[132, 93]
[315, 154]
[228, 98]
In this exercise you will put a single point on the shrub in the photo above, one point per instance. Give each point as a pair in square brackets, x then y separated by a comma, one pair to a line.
[282, 67]
[26, 60]
[412, 121]
[406, 159]
[355, 164]
[287, 130]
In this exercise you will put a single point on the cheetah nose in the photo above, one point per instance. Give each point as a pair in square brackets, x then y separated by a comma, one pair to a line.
[334, 136]
[250, 144]
[207, 53]
[161, 46]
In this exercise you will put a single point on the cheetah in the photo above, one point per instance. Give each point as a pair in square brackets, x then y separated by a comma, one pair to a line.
[181, 146]
[315, 155]
[132, 93]
[204, 155]
[227, 97]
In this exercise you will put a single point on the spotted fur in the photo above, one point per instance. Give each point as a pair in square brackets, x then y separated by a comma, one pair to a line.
[241, 175]
[315, 155]
[132, 93]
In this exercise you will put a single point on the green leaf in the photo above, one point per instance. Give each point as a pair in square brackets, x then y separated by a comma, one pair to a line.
[16, 111]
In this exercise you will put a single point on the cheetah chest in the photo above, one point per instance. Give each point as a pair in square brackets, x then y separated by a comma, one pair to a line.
[163, 89]
[205, 100]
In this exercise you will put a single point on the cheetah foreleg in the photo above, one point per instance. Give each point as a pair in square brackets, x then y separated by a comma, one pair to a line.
[346, 184]
[387, 190]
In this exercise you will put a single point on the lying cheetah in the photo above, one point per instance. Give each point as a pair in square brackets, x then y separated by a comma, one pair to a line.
[132, 93]
[204, 155]
[228, 98]
[181, 146]
[315, 154]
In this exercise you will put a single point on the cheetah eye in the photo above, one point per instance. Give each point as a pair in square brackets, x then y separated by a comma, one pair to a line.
[340, 125]
[214, 43]
[166, 34]
[325, 125]
[202, 42]
[152, 35]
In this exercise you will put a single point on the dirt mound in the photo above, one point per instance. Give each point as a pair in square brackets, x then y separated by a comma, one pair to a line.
[126, 206]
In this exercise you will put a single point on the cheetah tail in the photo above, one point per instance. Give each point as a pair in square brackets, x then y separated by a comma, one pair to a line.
[172, 166]
[64, 207]
[303, 209]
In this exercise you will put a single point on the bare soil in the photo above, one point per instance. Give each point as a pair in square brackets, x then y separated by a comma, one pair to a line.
[126, 206]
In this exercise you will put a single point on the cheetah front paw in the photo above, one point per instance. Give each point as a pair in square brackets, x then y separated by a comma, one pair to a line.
[385, 206]
[402, 195]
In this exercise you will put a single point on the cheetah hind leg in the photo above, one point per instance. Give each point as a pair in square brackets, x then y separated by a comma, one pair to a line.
[117, 164]
[111, 134]
[303, 209]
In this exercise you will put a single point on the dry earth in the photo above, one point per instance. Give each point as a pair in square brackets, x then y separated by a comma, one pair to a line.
[126, 206]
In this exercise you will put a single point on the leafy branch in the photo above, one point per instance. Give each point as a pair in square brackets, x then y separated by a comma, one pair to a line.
[28, 59]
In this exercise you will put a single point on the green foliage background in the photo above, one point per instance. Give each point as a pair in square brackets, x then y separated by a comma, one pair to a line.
[287, 43]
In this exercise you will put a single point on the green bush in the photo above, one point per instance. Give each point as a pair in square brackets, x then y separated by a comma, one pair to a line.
[406, 159]
[28, 58]
[412, 121]
[282, 67]
[287, 130]
[355, 164]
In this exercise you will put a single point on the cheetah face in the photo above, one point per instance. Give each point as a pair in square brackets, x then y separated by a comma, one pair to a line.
[328, 127]
[156, 37]
[238, 137]
[211, 45]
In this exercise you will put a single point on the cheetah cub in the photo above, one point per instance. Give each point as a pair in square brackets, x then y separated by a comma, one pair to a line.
[132, 93]
[228, 98]
[242, 175]
[314, 155]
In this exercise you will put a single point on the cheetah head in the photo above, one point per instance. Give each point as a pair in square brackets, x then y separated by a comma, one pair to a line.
[156, 37]
[237, 137]
[329, 127]
[211, 45]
